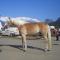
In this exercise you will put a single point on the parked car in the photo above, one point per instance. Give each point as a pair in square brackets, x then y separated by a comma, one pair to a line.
[11, 31]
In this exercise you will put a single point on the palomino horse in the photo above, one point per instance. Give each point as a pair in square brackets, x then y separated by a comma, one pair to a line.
[33, 28]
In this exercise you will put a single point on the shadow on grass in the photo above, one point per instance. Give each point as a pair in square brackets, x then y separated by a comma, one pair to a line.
[56, 44]
[21, 48]
[0, 49]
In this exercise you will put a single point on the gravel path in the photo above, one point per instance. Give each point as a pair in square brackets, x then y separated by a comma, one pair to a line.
[11, 49]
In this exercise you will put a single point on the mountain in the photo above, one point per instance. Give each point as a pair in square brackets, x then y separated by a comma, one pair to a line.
[27, 19]
[3, 18]
[20, 20]
[56, 23]
[23, 20]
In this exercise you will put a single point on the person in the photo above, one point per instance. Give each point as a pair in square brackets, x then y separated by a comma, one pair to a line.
[57, 34]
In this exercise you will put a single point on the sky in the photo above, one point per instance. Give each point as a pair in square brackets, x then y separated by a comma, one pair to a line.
[39, 9]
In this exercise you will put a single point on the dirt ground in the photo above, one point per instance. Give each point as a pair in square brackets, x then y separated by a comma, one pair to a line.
[11, 49]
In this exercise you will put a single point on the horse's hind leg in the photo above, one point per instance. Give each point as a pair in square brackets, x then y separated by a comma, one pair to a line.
[24, 44]
[46, 42]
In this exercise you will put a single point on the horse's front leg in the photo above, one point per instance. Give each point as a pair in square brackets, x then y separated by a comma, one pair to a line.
[24, 42]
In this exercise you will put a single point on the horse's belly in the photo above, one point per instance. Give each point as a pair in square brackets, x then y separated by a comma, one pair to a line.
[33, 31]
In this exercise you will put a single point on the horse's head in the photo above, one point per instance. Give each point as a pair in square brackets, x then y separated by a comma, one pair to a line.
[11, 23]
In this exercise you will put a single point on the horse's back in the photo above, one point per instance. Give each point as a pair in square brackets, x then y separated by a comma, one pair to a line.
[38, 25]
[43, 26]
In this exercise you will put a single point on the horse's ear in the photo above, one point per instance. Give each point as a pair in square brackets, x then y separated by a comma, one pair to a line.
[9, 18]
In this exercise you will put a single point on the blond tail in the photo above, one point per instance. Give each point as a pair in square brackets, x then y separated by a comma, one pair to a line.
[49, 38]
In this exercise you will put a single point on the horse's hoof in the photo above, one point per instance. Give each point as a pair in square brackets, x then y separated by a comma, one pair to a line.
[45, 50]
[24, 50]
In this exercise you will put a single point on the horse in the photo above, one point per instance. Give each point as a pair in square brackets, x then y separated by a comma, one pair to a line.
[33, 28]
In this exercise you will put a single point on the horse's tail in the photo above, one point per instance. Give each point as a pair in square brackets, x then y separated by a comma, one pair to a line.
[49, 37]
